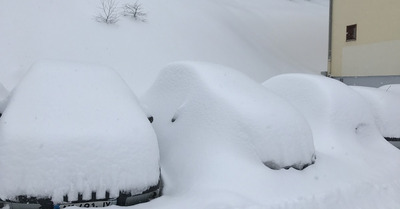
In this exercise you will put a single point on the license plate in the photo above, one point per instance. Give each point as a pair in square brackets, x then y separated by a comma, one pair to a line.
[96, 204]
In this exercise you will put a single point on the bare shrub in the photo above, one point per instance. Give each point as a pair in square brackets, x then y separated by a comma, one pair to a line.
[108, 12]
[135, 11]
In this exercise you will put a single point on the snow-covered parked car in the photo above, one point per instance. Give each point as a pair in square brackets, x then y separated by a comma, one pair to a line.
[75, 134]
[332, 109]
[385, 106]
[208, 107]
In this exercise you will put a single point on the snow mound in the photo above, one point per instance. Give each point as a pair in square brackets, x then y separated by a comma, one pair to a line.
[3, 97]
[385, 108]
[212, 104]
[74, 128]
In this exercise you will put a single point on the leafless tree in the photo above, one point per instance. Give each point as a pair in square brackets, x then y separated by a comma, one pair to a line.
[108, 12]
[135, 11]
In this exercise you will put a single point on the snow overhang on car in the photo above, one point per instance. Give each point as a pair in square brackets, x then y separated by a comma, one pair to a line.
[74, 134]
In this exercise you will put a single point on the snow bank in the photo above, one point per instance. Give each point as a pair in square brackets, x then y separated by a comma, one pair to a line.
[3, 97]
[75, 128]
[385, 108]
[200, 108]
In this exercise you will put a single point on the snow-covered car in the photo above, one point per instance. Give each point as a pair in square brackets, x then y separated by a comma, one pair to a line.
[332, 109]
[385, 108]
[75, 135]
[206, 104]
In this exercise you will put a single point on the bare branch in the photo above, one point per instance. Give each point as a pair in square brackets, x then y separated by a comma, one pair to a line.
[108, 12]
[135, 11]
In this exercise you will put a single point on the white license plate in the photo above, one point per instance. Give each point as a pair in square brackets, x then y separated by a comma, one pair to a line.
[96, 204]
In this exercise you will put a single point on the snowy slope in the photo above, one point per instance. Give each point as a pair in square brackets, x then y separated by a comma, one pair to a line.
[258, 37]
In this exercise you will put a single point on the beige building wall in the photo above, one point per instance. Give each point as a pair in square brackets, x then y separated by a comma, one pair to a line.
[376, 52]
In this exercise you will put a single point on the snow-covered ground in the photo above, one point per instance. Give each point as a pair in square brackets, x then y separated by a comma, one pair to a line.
[221, 165]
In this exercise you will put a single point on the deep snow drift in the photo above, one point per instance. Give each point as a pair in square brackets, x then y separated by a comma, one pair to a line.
[74, 128]
[260, 38]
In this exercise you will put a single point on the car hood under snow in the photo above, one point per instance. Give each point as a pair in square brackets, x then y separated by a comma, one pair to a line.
[74, 128]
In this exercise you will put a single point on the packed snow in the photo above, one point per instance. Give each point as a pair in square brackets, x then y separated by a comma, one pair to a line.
[74, 128]
[385, 108]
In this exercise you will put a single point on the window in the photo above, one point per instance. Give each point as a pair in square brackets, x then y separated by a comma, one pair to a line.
[351, 32]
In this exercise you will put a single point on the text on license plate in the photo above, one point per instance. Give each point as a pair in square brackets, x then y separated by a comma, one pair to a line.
[97, 204]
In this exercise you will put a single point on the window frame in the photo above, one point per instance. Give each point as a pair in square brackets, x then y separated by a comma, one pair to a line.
[351, 32]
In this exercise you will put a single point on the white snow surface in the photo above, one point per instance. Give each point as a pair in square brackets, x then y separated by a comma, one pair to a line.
[261, 38]
[385, 108]
[214, 104]
[72, 128]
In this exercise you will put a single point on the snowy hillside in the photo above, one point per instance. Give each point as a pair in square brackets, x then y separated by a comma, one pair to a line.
[258, 37]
